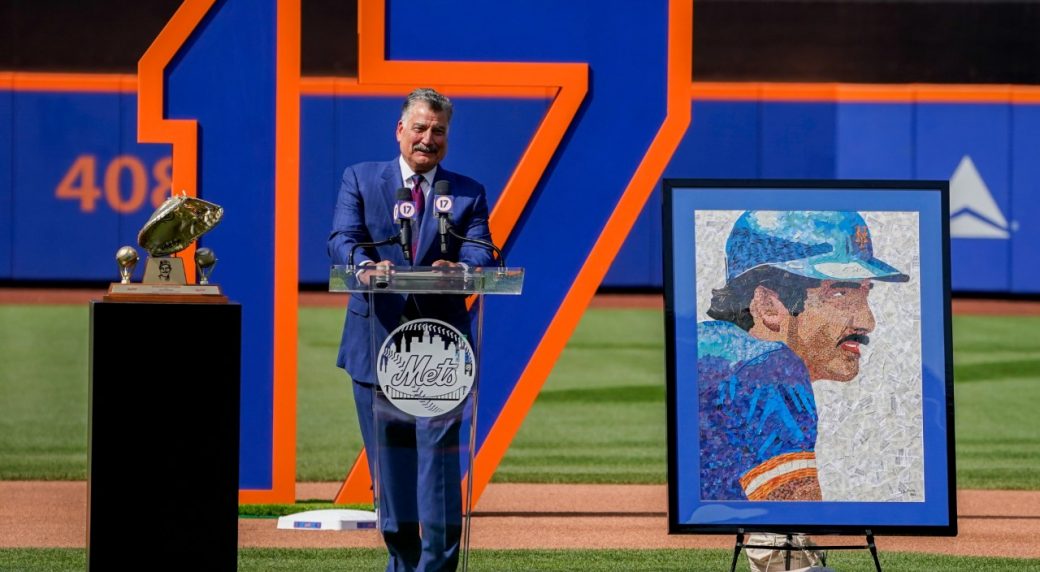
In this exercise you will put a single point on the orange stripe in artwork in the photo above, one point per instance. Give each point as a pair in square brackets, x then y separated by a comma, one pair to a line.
[763, 492]
[568, 82]
[774, 462]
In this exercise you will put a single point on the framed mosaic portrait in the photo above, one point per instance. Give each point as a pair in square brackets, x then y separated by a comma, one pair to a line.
[810, 376]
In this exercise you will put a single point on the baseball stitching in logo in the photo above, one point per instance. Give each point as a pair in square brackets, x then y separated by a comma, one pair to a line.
[426, 367]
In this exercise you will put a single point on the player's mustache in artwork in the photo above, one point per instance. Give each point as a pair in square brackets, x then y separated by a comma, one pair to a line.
[858, 338]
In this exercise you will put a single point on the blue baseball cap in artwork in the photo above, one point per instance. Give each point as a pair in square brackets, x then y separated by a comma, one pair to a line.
[826, 245]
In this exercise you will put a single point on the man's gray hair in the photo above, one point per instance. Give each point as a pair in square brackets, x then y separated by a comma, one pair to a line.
[430, 97]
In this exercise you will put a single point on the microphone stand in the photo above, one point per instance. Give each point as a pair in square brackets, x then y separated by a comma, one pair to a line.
[381, 282]
[487, 243]
[353, 249]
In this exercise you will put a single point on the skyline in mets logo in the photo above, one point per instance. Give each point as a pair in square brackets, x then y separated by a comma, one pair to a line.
[426, 367]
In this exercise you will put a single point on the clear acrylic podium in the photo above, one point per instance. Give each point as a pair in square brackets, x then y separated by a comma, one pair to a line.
[426, 326]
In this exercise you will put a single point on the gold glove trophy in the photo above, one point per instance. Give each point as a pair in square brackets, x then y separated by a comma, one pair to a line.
[174, 226]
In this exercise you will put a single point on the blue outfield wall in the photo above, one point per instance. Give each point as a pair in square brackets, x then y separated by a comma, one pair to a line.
[1025, 178]
[992, 148]
[75, 184]
[6, 180]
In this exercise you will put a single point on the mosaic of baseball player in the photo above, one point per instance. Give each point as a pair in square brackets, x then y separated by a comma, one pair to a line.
[793, 311]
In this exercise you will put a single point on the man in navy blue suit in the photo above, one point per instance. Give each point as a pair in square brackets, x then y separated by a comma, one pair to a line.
[417, 467]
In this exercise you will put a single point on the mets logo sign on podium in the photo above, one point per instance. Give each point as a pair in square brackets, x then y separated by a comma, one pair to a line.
[426, 367]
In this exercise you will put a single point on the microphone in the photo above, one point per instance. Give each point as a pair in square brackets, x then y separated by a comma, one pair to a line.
[442, 204]
[404, 212]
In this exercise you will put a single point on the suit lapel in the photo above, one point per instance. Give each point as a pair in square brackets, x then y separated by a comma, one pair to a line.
[388, 190]
[386, 199]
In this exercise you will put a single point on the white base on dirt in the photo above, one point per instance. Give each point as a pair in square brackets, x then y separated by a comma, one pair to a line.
[331, 519]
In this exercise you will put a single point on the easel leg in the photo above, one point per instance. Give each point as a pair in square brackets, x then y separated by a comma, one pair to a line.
[737, 549]
[788, 544]
[873, 550]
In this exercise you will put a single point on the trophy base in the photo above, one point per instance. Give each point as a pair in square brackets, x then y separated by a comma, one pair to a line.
[165, 270]
[166, 293]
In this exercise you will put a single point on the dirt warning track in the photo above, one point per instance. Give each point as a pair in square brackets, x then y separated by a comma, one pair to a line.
[528, 516]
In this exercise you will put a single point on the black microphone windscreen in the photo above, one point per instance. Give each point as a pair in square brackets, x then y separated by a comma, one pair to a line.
[404, 194]
[441, 188]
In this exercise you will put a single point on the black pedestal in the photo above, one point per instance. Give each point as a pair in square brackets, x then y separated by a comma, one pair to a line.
[163, 436]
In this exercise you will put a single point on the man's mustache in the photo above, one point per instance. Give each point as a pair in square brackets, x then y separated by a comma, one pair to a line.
[859, 338]
[425, 148]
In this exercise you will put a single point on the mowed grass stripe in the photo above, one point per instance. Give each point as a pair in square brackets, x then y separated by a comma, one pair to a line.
[1028, 369]
[43, 392]
[998, 434]
[619, 394]
[322, 560]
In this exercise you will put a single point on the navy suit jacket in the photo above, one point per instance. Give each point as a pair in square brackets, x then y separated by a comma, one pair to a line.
[365, 213]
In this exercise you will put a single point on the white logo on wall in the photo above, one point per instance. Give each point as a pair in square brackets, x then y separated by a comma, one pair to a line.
[973, 212]
[426, 367]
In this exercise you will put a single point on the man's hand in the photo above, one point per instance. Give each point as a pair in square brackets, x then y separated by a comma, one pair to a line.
[367, 270]
[446, 264]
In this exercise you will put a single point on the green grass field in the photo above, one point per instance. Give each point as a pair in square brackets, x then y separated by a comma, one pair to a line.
[275, 560]
[599, 418]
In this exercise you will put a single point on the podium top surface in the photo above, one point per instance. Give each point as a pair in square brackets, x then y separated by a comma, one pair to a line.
[426, 280]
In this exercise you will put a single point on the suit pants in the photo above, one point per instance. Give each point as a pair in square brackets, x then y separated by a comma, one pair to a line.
[416, 469]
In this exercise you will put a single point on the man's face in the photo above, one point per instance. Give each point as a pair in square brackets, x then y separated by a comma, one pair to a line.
[828, 334]
[423, 136]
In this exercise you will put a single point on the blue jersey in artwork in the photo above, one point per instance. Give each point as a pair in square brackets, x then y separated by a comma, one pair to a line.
[757, 414]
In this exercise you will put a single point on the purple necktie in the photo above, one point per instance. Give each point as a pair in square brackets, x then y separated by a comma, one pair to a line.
[420, 204]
